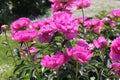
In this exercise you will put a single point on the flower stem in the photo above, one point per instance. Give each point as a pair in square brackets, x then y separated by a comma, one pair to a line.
[76, 71]
[28, 51]
[98, 77]
[83, 16]
[6, 37]
[31, 60]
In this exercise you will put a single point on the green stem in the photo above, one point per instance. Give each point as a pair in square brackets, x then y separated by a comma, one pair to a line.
[98, 77]
[57, 74]
[76, 71]
[9, 47]
[83, 16]
[31, 61]
[37, 71]
[28, 51]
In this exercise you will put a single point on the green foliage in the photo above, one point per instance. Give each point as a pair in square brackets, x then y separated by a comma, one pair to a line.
[4, 50]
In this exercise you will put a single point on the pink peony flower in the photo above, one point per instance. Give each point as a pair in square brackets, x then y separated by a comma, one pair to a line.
[60, 1]
[61, 5]
[36, 25]
[55, 1]
[82, 3]
[20, 24]
[91, 46]
[100, 42]
[32, 50]
[47, 31]
[24, 36]
[57, 7]
[115, 13]
[24, 55]
[94, 24]
[109, 22]
[116, 67]
[80, 19]
[115, 50]
[83, 43]
[66, 58]
[53, 62]
[81, 54]
[66, 23]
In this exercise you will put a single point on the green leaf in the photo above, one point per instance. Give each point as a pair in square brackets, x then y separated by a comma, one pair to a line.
[19, 66]
[4, 43]
[16, 50]
[33, 73]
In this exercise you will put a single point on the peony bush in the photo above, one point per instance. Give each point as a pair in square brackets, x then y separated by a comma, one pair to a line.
[63, 47]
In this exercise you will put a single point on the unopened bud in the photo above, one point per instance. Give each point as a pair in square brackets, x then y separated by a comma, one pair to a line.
[4, 27]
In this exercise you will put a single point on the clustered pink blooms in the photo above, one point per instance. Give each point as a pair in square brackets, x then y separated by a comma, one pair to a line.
[115, 13]
[83, 43]
[55, 61]
[81, 54]
[100, 42]
[62, 20]
[94, 25]
[32, 50]
[21, 31]
[47, 31]
[68, 5]
[115, 55]
[116, 67]
[107, 21]
[66, 23]
[82, 3]
[115, 50]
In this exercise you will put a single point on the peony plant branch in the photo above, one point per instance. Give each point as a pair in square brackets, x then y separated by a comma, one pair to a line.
[6, 37]
[83, 16]
[31, 61]
[77, 70]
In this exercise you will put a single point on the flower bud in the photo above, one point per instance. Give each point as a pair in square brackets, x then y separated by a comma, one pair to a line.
[4, 27]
